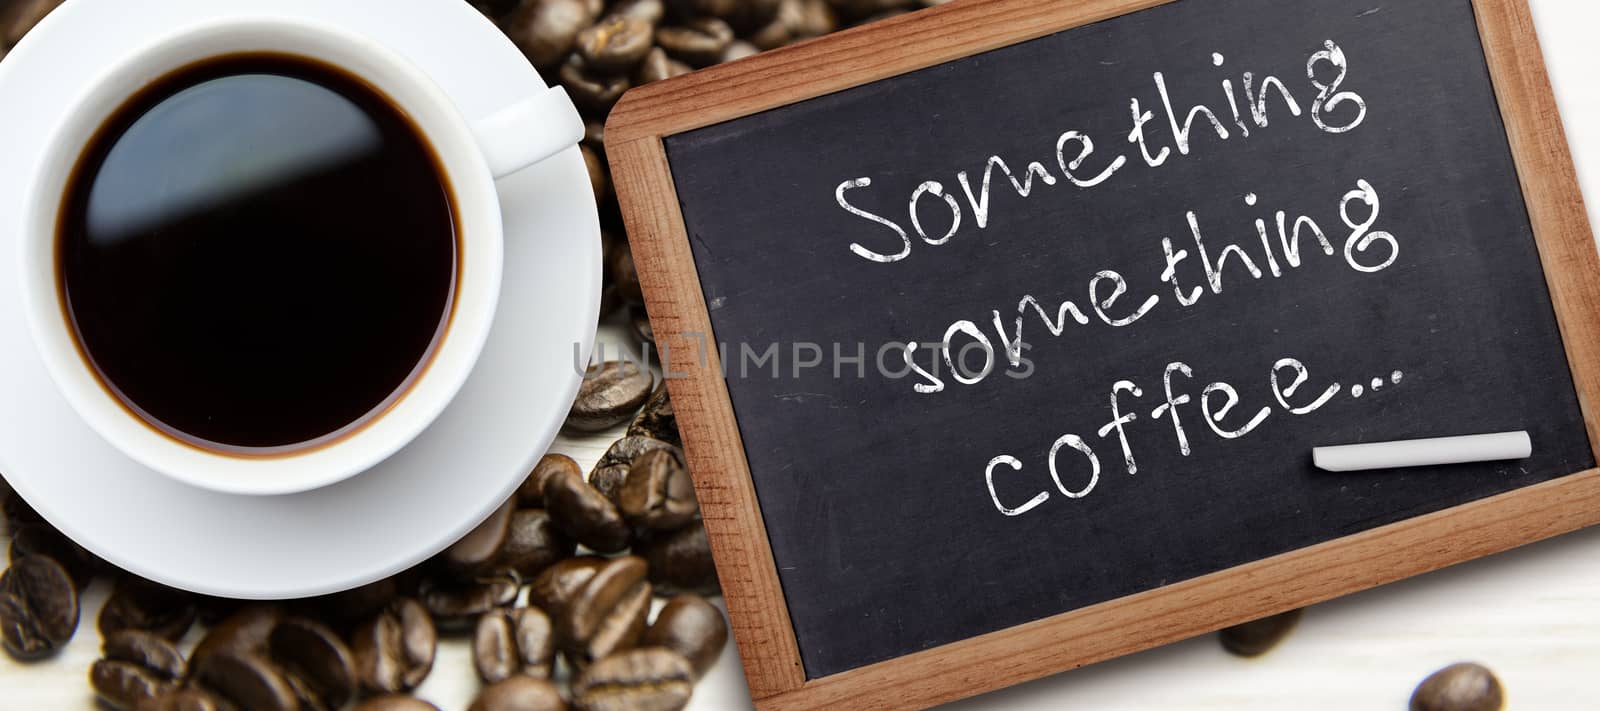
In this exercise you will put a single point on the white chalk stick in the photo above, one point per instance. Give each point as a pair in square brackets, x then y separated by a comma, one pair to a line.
[1423, 452]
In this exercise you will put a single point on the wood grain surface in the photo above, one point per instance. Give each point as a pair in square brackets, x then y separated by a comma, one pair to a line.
[711, 440]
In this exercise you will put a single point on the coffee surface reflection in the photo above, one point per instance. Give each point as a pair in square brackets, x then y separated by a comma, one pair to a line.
[257, 254]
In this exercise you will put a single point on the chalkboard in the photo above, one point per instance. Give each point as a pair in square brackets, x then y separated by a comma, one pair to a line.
[1148, 263]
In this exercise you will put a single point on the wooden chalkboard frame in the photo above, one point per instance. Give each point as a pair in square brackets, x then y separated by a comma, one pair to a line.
[737, 531]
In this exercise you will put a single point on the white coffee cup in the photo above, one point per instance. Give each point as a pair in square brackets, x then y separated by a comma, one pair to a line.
[472, 153]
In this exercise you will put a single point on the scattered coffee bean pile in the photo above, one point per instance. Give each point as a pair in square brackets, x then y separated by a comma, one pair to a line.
[555, 589]
[585, 615]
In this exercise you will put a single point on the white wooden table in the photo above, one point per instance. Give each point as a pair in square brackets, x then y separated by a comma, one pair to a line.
[1533, 615]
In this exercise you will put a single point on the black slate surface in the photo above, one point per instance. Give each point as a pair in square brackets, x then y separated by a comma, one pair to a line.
[881, 522]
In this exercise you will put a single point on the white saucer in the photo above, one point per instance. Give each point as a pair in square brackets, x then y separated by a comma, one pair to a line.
[383, 520]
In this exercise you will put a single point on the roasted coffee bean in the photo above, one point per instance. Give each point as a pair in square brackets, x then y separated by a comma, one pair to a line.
[657, 66]
[658, 494]
[482, 545]
[43, 539]
[142, 604]
[38, 608]
[454, 603]
[739, 49]
[650, 11]
[610, 394]
[657, 420]
[681, 562]
[148, 650]
[609, 473]
[558, 583]
[545, 30]
[186, 699]
[246, 630]
[22, 16]
[644, 679]
[535, 635]
[494, 647]
[246, 680]
[607, 614]
[585, 514]
[534, 543]
[396, 702]
[1258, 637]
[699, 42]
[608, 480]
[1459, 687]
[531, 494]
[598, 181]
[316, 663]
[623, 451]
[136, 667]
[615, 44]
[507, 642]
[394, 651]
[691, 627]
[121, 685]
[519, 693]
[591, 92]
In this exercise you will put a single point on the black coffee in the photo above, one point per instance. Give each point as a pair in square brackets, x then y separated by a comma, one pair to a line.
[258, 253]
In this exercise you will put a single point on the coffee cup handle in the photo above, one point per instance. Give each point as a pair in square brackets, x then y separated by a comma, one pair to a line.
[528, 131]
